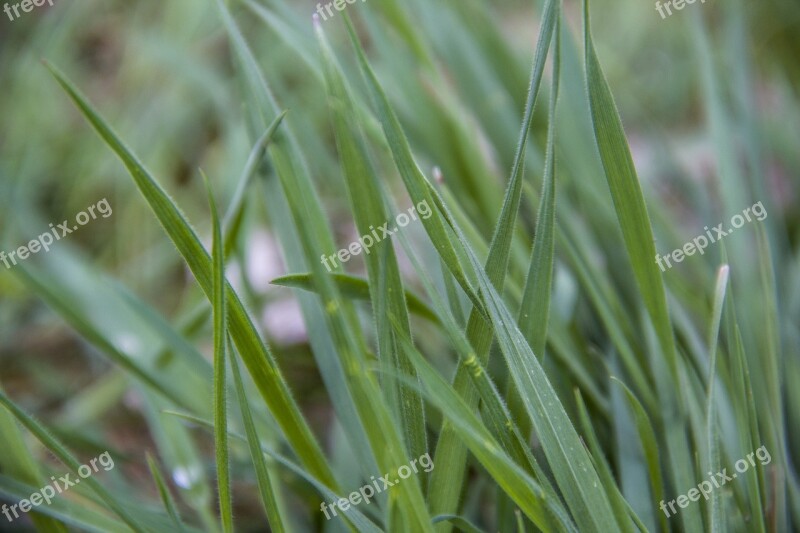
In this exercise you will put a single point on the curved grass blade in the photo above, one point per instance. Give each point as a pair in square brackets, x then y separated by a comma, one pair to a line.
[357, 289]
[637, 234]
[17, 461]
[163, 491]
[575, 474]
[232, 220]
[386, 286]
[647, 436]
[626, 193]
[358, 519]
[460, 523]
[255, 353]
[447, 480]
[58, 449]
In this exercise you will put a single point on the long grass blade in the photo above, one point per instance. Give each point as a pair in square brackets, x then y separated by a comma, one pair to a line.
[63, 455]
[255, 353]
[220, 358]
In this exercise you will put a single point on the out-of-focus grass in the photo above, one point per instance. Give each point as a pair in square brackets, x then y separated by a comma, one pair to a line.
[109, 334]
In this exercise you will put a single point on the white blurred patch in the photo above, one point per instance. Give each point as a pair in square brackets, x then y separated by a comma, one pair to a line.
[283, 321]
[186, 476]
[128, 344]
[263, 260]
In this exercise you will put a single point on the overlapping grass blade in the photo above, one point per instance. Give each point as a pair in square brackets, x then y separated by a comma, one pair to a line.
[571, 465]
[447, 480]
[63, 455]
[419, 189]
[513, 479]
[356, 288]
[386, 287]
[257, 357]
[356, 517]
[17, 461]
[258, 97]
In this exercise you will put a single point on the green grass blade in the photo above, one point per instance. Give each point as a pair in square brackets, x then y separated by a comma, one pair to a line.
[461, 523]
[513, 479]
[257, 357]
[232, 220]
[647, 436]
[386, 287]
[18, 462]
[637, 234]
[60, 451]
[357, 289]
[356, 517]
[220, 383]
[265, 491]
[535, 307]
[419, 189]
[618, 503]
[715, 515]
[163, 492]
[626, 193]
[447, 480]
[571, 465]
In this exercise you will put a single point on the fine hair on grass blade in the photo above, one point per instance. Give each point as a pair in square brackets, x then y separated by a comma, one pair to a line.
[220, 359]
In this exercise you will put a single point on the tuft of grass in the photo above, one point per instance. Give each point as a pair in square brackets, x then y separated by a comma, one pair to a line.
[522, 335]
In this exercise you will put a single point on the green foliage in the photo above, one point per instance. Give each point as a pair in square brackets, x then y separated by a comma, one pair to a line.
[521, 333]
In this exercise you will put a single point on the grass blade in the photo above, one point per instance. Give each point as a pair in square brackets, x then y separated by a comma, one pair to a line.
[220, 383]
[447, 480]
[60, 451]
[267, 376]
[262, 472]
[163, 491]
